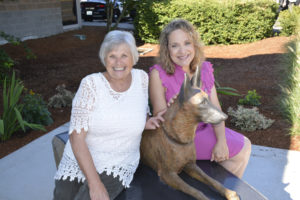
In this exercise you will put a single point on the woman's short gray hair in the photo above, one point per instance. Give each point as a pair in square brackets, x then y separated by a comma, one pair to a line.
[116, 38]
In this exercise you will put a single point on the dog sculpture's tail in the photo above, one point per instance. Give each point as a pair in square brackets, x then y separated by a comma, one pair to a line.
[170, 149]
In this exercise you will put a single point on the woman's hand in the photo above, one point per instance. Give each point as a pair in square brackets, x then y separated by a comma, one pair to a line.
[98, 192]
[172, 100]
[153, 122]
[220, 152]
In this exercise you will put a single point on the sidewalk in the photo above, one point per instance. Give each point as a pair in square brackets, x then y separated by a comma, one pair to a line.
[27, 174]
[123, 25]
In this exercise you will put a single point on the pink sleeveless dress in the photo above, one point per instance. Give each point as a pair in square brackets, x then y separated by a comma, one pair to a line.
[205, 138]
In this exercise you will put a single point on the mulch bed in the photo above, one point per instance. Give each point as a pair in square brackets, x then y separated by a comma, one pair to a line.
[65, 59]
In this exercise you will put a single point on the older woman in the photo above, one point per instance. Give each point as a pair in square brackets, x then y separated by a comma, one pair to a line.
[109, 114]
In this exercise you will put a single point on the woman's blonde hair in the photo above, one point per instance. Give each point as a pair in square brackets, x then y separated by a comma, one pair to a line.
[164, 54]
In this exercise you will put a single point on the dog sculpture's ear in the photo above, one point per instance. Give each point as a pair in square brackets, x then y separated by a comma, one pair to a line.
[196, 79]
[185, 90]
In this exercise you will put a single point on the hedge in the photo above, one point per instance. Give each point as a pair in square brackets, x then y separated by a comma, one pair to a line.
[218, 22]
[287, 19]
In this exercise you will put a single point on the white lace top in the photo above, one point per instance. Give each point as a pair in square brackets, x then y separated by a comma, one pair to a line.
[114, 122]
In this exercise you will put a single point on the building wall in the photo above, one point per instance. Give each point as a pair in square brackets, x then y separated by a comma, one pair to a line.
[68, 10]
[31, 18]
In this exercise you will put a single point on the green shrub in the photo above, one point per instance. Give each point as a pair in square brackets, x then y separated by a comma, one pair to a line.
[232, 22]
[35, 109]
[290, 104]
[6, 62]
[288, 20]
[248, 119]
[11, 120]
[251, 99]
[147, 22]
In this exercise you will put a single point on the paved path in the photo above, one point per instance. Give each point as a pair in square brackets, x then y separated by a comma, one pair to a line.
[27, 174]
[124, 25]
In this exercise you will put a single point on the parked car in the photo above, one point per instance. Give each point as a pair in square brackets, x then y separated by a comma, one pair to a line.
[285, 4]
[96, 9]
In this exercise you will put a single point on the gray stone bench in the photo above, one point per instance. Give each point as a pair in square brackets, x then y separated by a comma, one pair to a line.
[146, 185]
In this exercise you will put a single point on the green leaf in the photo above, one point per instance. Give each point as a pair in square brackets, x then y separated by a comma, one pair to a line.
[16, 90]
[5, 98]
[1, 126]
[35, 126]
[11, 89]
[20, 119]
[228, 93]
[227, 88]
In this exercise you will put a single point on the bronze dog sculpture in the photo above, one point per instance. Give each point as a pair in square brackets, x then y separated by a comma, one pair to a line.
[170, 149]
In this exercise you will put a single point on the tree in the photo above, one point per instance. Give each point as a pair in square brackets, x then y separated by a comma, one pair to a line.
[110, 13]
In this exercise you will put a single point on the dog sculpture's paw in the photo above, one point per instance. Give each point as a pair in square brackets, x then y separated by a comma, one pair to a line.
[232, 195]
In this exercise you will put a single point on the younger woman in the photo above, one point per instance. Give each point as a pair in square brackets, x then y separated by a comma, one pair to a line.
[180, 53]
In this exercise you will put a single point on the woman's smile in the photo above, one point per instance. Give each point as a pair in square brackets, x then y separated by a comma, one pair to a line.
[119, 68]
[182, 58]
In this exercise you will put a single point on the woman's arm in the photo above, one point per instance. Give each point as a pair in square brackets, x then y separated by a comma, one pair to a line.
[82, 105]
[82, 154]
[220, 150]
[157, 93]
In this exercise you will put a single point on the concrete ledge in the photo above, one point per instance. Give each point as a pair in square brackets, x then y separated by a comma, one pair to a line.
[28, 173]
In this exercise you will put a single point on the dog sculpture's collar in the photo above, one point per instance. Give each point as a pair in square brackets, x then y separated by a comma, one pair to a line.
[173, 139]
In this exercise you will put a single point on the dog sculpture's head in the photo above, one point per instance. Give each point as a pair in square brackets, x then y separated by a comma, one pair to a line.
[191, 107]
[198, 102]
